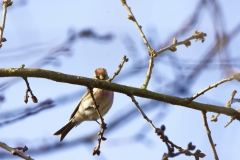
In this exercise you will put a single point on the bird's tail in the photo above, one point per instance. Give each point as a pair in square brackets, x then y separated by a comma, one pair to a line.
[64, 130]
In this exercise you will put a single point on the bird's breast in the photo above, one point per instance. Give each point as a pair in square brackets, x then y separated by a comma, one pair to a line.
[104, 99]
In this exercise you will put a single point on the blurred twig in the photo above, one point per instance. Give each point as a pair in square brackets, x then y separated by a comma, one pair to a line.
[29, 112]
[117, 121]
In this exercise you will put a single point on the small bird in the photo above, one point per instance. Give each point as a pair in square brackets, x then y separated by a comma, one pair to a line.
[85, 110]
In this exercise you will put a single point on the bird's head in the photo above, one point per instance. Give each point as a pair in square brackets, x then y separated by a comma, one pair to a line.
[101, 74]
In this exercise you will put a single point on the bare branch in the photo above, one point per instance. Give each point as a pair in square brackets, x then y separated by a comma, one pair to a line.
[5, 4]
[103, 125]
[93, 83]
[214, 118]
[228, 105]
[229, 122]
[210, 87]
[170, 145]
[149, 72]
[15, 151]
[143, 114]
[197, 35]
[209, 135]
[125, 59]
[152, 53]
[131, 17]
[34, 98]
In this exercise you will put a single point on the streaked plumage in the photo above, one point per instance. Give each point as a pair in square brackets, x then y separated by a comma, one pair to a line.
[85, 111]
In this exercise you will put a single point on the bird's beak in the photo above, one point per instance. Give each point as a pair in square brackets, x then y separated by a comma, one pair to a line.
[102, 77]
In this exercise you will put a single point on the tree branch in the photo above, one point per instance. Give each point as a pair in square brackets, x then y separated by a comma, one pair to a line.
[5, 4]
[210, 87]
[149, 71]
[151, 52]
[103, 125]
[15, 151]
[93, 83]
[209, 135]
[143, 114]
[196, 35]
[34, 98]
[125, 59]
[132, 17]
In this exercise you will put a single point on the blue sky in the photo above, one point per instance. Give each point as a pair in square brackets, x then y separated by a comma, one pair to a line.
[44, 25]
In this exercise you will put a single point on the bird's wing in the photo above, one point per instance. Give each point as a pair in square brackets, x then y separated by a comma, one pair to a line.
[77, 107]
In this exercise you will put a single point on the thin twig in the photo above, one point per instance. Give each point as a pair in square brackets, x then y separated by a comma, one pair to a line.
[125, 59]
[143, 114]
[197, 35]
[149, 72]
[15, 151]
[152, 53]
[34, 98]
[131, 17]
[209, 135]
[24, 149]
[103, 125]
[230, 121]
[228, 105]
[5, 4]
[170, 145]
[214, 118]
[210, 87]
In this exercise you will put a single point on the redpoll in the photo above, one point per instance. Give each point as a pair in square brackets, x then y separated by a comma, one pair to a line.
[85, 110]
